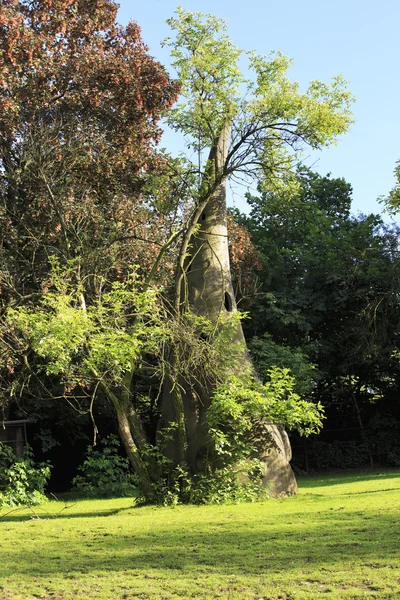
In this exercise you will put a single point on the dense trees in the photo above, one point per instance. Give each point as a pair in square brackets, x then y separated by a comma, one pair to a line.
[114, 257]
[79, 129]
[327, 304]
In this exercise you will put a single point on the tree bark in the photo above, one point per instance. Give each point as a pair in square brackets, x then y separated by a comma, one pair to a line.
[132, 436]
[206, 289]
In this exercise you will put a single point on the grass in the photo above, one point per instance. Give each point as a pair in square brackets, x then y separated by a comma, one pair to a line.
[339, 538]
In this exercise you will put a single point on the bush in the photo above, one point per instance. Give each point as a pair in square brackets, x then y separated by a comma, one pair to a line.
[383, 434]
[105, 473]
[22, 481]
[242, 407]
[229, 485]
[337, 455]
[226, 485]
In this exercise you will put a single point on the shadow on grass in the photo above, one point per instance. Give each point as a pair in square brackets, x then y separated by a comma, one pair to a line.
[343, 478]
[38, 512]
[237, 546]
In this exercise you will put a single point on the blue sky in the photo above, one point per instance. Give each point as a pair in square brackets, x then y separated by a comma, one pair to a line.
[357, 38]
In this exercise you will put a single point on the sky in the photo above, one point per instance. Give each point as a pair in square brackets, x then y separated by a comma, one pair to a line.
[356, 38]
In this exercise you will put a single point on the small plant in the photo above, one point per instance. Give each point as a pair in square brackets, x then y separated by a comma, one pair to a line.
[22, 481]
[242, 407]
[232, 484]
[228, 485]
[105, 473]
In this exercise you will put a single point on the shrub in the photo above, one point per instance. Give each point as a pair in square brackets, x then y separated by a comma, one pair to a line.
[337, 455]
[383, 434]
[241, 408]
[105, 473]
[233, 484]
[22, 481]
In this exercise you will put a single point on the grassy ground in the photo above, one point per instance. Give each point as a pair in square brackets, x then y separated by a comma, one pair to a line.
[339, 538]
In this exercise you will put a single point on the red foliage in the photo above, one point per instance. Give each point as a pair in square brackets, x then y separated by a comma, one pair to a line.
[244, 259]
[71, 55]
[79, 110]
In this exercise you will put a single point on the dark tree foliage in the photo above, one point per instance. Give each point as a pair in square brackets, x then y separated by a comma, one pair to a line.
[327, 306]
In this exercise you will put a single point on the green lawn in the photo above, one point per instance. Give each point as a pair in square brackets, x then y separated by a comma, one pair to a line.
[339, 538]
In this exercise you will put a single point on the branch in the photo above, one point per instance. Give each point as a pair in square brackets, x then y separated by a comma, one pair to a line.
[59, 214]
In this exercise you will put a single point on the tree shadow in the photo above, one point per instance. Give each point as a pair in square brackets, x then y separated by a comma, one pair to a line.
[38, 513]
[222, 548]
[329, 480]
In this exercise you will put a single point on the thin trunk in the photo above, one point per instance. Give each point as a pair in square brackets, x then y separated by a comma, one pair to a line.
[176, 397]
[132, 437]
[364, 436]
[131, 449]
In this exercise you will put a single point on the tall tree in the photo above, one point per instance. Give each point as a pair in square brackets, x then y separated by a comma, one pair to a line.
[78, 144]
[253, 127]
[327, 296]
[79, 113]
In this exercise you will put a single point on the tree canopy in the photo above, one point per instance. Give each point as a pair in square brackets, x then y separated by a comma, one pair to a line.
[326, 304]
[114, 258]
[272, 120]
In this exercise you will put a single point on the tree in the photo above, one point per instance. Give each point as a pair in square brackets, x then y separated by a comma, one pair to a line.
[79, 129]
[328, 298]
[393, 199]
[88, 195]
[79, 115]
[258, 133]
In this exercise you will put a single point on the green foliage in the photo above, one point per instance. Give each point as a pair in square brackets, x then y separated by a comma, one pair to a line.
[204, 347]
[328, 296]
[82, 343]
[328, 276]
[266, 353]
[383, 434]
[392, 201]
[231, 484]
[206, 61]
[241, 408]
[325, 456]
[272, 121]
[240, 481]
[105, 473]
[22, 481]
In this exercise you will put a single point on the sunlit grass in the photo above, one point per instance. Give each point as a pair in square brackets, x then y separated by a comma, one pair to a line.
[339, 538]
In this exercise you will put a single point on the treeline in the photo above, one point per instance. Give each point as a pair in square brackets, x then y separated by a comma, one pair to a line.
[326, 305]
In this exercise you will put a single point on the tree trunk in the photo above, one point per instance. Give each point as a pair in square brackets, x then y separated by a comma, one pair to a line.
[131, 449]
[132, 436]
[208, 291]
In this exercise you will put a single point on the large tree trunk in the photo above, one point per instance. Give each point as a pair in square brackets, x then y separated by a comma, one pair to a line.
[207, 288]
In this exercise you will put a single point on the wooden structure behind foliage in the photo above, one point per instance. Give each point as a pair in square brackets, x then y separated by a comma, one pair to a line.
[14, 434]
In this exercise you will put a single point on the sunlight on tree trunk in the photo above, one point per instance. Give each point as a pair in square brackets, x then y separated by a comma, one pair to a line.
[207, 290]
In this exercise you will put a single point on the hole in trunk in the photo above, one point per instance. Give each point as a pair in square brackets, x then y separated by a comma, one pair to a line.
[203, 216]
[228, 302]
